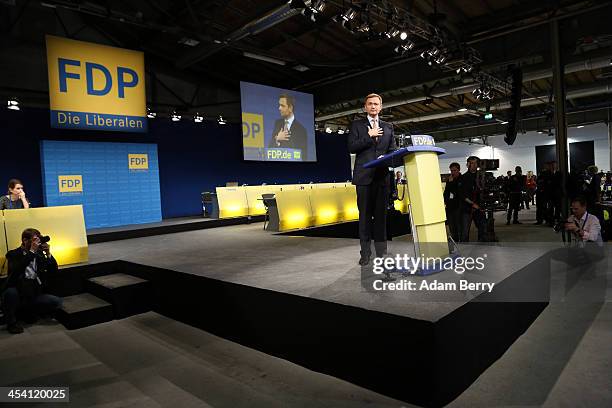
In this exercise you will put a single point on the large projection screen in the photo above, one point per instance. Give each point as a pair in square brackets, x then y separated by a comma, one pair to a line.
[277, 124]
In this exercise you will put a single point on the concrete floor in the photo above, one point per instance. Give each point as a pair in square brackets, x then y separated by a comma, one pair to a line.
[564, 358]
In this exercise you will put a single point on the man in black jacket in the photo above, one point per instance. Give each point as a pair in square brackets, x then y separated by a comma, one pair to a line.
[369, 139]
[288, 132]
[453, 201]
[28, 267]
[516, 187]
[471, 210]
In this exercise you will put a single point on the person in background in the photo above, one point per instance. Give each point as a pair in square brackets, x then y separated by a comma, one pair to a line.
[28, 270]
[471, 210]
[506, 189]
[531, 186]
[399, 178]
[16, 197]
[607, 187]
[593, 188]
[453, 202]
[516, 186]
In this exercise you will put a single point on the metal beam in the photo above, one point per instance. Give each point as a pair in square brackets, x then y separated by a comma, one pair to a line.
[560, 119]
[598, 115]
[589, 64]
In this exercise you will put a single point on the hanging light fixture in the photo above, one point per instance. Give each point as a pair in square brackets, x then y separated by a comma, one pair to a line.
[13, 104]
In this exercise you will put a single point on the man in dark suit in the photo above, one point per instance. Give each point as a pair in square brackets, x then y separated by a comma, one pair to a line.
[369, 139]
[288, 132]
[28, 268]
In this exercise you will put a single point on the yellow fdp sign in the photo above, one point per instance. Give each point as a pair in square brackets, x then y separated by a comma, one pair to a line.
[95, 87]
[138, 161]
[70, 184]
[252, 130]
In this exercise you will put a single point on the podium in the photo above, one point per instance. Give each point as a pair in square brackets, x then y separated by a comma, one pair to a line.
[427, 212]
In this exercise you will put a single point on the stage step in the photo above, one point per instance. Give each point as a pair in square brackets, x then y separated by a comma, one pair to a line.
[84, 310]
[128, 294]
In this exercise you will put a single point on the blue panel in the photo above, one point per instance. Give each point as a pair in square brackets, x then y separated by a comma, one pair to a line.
[112, 193]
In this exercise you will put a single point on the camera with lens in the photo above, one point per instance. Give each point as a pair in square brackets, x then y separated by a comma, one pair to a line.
[44, 239]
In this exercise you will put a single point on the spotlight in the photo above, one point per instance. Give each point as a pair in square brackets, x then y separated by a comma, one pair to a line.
[409, 44]
[433, 52]
[441, 59]
[364, 28]
[198, 119]
[455, 142]
[319, 6]
[402, 48]
[504, 122]
[392, 33]
[541, 132]
[151, 114]
[462, 109]
[175, 117]
[221, 121]
[340, 131]
[403, 35]
[13, 104]
[349, 14]
[328, 130]
[579, 126]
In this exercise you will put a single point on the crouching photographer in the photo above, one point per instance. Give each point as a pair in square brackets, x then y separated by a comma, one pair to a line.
[582, 226]
[28, 267]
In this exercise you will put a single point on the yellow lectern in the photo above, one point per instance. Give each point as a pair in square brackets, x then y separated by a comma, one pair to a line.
[425, 195]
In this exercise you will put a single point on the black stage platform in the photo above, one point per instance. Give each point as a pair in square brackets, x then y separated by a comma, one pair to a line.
[303, 299]
[169, 226]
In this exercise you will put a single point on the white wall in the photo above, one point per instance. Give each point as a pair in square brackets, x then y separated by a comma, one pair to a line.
[522, 152]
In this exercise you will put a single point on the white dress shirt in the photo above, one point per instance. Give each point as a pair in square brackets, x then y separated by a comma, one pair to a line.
[590, 225]
[373, 121]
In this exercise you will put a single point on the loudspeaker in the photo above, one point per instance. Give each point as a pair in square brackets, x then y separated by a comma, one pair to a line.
[516, 95]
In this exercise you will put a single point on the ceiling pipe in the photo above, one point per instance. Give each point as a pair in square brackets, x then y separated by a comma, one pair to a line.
[587, 65]
[573, 94]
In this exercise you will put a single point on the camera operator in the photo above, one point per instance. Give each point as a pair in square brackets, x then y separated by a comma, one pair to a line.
[583, 227]
[471, 202]
[28, 267]
[453, 193]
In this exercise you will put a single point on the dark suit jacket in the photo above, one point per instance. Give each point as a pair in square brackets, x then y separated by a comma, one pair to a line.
[360, 143]
[18, 260]
[297, 140]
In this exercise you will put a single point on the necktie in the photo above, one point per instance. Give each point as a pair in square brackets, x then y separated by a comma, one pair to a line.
[374, 126]
[286, 129]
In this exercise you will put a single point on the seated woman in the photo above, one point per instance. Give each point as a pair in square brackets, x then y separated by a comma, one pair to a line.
[15, 198]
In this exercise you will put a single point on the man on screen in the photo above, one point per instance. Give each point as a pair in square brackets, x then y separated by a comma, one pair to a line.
[288, 132]
[370, 138]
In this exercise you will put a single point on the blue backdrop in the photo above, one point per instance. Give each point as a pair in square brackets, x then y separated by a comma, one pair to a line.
[112, 194]
[193, 157]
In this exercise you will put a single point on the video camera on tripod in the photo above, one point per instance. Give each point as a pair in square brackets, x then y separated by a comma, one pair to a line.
[491, 190]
